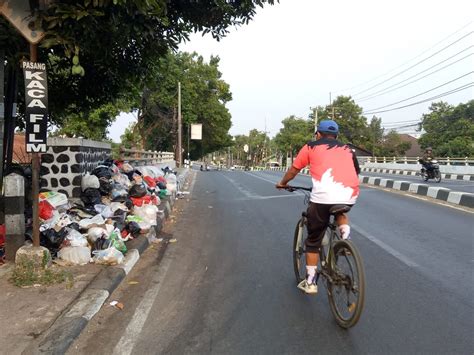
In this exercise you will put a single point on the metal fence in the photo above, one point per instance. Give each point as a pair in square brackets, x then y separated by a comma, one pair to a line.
[414, 160]
[145, 157]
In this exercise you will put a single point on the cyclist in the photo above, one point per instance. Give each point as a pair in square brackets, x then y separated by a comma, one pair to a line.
[334, 170]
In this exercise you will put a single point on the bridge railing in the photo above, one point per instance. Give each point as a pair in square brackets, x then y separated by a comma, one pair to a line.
[466, 161]
[145, 157]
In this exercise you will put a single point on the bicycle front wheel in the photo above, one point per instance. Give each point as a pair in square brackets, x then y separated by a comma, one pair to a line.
[299, 250]
[346, 290]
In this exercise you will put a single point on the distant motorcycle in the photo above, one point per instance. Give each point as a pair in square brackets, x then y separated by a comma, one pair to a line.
[431, 171]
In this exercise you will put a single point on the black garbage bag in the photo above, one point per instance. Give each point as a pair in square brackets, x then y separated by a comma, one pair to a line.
[102, 243]
[105, 187]
[129, 204]
[91, 197]
[108, 162]
[52, 240]
[137, 190]
[161, 185]
[133, 172]
[133, 228]
[102, 171]
[119, 217]
[74, 226]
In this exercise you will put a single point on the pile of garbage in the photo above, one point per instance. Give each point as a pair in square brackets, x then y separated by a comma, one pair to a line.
[118, 203]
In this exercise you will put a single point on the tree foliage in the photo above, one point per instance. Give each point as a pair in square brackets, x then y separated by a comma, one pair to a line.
[449, 130]
[203, 95]
[294, 134]
[117, 42]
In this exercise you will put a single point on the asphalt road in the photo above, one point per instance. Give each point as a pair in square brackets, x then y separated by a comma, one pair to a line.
[455, 185]
[227, 285]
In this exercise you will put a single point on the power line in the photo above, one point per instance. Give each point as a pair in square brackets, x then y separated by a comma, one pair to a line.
[408, 61]
[460, 88]
[384, 91]
[416, 64]
[412, 97]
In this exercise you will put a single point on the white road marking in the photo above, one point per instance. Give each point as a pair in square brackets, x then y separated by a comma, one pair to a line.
[385, 247]
[273, 182]
[132, 332]
[238, 187]
[268, 197]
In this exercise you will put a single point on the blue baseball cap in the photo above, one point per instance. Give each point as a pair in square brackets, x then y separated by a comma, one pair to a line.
[328, 126]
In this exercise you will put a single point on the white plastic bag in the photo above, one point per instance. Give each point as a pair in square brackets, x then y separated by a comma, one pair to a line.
[104, 210]
[95, 221]
[114, 206]
[109, 256]
[75, 255]
[147, 213]
[90, 181]
[76, 239]
[95, 233]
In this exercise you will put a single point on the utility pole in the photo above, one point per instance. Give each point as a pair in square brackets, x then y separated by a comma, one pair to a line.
[180, 151]
[315, 113]
[189, 136]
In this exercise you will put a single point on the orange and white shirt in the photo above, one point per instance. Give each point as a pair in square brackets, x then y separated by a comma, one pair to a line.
[334, 170]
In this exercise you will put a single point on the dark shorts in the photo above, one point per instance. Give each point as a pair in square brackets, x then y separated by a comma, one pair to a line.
[318, 220]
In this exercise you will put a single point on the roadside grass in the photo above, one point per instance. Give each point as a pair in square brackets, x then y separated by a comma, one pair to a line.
[26, 274]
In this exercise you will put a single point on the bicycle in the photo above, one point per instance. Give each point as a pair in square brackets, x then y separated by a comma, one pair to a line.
[340, 265]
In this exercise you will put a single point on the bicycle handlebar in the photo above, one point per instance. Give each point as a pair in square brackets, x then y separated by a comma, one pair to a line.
[293, 188]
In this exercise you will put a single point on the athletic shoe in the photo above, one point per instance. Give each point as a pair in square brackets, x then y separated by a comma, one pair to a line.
[309, 288]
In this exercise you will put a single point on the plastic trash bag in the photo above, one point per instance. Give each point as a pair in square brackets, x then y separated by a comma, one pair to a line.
[147, 213]
[114, 206]
[102, 171]
[117, 241]
[132, 218]
[46, 211]
[89, 181]
[118, 193]
[102, 243]
[52, 239]
[91, 197]
[95, 221]
[137, 190]
[75, 239]
[161, 185]
[54, 198]
[109, 256]
[103, 210]
[95, 233]
[75, 255]
[133, 228]
[105, 187]
[121, 179]
[126, 167]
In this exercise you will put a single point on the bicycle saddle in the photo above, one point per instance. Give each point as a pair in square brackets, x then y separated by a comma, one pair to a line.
[337, 209]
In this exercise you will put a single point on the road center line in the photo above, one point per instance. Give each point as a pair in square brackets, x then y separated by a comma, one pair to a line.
[273, 182]
[385, 247]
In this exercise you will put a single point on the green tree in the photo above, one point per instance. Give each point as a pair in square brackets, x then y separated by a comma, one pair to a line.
[449, 130]
[116, 42]
[204, 96]
[294, 134]
[375, 133]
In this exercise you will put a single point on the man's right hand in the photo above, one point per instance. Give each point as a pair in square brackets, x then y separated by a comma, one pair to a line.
[280, 185]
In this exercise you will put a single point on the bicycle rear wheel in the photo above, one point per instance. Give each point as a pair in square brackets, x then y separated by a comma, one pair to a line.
[299, 250]
[346, 290]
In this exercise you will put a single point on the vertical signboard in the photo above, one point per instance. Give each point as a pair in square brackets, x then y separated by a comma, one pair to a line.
[196, 131]
[36, 103]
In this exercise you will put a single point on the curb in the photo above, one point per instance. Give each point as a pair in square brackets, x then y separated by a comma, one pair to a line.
[69, 325]
[439, 193]
[411, 173]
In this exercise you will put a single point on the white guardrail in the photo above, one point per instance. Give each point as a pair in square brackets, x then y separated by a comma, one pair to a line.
[414, 160]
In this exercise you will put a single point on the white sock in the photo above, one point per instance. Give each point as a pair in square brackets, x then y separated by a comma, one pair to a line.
[345, 230]
[310, 273]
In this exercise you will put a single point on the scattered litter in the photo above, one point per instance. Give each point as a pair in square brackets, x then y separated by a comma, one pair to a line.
[173, 240]
[117, 304]
[133, 282]
[210, 206]
[158, 240]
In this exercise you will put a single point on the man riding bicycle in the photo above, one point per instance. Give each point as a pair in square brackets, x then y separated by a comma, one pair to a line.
[334, 170]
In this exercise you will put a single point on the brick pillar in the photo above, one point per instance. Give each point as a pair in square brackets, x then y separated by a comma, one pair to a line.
[14, 199]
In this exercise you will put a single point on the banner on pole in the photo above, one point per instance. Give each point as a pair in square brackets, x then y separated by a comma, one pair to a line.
[36, 103]
[196, 131]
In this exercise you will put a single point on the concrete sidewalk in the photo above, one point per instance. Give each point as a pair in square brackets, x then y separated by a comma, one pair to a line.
[47, 319]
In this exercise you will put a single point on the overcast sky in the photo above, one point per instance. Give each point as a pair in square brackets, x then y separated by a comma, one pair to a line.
[294, 53]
